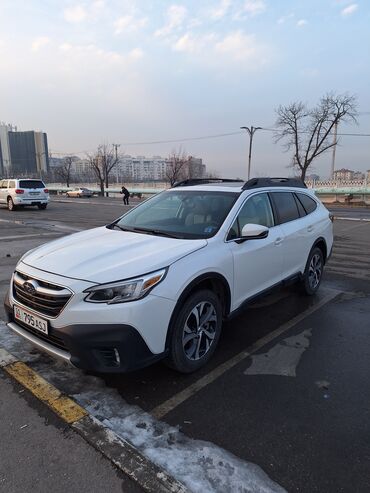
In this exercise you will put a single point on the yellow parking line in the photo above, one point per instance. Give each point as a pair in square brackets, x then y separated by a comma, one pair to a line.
[62, 405]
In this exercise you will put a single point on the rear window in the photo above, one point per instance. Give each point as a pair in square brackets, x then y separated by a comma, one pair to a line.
[286, 206]
[31, 184]
[308, 203]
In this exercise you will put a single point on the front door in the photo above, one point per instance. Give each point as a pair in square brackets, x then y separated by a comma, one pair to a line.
[3, 191]
[258, 264]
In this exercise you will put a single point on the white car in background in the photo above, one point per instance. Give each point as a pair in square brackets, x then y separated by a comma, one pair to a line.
[158, 282]
[23, 192]
[79, 192]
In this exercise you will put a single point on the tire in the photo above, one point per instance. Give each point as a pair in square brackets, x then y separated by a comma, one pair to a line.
[42, 206]
[11, 206]
[202, 340]
[313, 272]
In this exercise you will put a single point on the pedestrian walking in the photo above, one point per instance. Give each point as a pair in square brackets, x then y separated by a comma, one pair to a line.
[126, 195]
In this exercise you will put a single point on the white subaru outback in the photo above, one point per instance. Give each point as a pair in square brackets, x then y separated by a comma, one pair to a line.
[158, 282]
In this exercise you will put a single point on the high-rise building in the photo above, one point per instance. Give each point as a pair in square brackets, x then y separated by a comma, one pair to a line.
[22, 153]
[141, 168]
[343, 174]
[348, 175]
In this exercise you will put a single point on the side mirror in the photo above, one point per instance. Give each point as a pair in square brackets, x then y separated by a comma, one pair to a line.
[254, 232]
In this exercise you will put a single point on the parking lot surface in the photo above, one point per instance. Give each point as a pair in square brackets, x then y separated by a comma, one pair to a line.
[287, 390]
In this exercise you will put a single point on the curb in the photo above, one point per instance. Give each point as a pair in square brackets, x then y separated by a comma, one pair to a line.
[120, 452]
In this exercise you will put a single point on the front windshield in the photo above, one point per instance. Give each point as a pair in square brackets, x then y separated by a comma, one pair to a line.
[182, 214]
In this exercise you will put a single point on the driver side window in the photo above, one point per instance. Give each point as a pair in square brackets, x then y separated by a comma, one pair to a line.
[256, 210]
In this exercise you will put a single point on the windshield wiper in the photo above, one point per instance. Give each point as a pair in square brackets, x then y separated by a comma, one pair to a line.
[115, 225]
[146, 231]
[158, 232]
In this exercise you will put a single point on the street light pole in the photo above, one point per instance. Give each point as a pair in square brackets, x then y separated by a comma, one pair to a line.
[334, 149]
[251, 131]
[116, 146]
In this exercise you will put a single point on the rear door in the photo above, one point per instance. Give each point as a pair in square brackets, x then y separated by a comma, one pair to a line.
[258, 264]
[297, 229]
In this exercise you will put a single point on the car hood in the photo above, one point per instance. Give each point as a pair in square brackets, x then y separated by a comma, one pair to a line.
[103, 255]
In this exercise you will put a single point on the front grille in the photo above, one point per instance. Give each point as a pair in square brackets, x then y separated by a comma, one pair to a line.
[50, 338]
[43, 297]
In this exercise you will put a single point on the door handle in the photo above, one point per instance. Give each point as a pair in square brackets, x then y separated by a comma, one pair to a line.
[278, 241]
[310, 228]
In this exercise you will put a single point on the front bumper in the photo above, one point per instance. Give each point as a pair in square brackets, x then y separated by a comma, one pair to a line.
[102, 348]
[98, 347]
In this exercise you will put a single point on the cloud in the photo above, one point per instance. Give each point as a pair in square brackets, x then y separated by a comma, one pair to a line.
[349, 10]
[136, 54]
[237, 45]
[254, 7]
[75, 56]
[301, 23]
[191, 43]
[285, 18]
[129, 23]
[75, 14]
[221, 10]
[213, 49]
[78, 13]
[39, 43]
[176, 15]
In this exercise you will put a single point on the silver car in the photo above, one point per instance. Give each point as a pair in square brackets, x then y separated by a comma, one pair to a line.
[79, 192]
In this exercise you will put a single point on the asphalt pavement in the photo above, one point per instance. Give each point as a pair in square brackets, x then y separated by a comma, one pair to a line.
[288, 387]
[38, 452]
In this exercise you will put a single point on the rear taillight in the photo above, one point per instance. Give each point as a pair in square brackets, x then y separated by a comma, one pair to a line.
[19, 191]
[46, 190]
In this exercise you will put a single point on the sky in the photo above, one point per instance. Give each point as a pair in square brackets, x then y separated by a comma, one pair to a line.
[132, 72]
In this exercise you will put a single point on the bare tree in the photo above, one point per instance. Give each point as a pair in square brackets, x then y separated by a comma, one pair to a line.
[64, 171]
[102, 162]
[177, 166]
[309, 132]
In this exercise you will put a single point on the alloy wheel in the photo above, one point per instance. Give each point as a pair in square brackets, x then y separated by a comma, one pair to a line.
[315, 271]
[199, 330]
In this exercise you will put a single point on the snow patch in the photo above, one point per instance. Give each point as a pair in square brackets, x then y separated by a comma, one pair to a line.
[199, 465]
[283, 358]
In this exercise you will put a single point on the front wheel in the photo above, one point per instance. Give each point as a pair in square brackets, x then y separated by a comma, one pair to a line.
[195, 332]
[313, 272]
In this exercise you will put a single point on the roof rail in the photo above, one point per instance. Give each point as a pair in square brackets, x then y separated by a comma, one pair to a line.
[274, 182]
[203, 181]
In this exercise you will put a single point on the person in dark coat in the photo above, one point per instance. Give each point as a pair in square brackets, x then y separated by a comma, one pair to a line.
[126, 195]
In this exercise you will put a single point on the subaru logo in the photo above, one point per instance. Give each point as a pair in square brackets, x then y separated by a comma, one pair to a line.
[29, 287]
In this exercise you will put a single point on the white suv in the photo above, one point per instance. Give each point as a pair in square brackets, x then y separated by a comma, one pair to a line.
[14, 193]
[158, 282]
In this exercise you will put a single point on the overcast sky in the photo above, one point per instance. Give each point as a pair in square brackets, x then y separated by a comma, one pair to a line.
[126, 71]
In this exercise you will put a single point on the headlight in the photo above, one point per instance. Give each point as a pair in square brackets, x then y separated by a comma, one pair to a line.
[123, 291]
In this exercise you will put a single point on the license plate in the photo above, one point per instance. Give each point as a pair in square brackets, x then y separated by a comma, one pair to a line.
[34, 193]
[30, 319]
